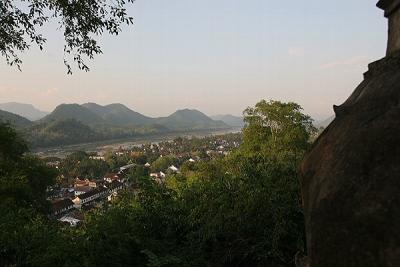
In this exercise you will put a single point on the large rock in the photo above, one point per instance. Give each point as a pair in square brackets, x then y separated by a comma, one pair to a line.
[351, 178]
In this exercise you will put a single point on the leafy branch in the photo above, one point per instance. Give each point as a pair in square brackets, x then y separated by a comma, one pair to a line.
[81, 21]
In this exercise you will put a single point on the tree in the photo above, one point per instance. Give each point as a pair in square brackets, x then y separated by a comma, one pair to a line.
[276, 126]
[80, 20]
[136, 172]
[163, 163]
[245, 210]
[12, 147]
[115, 161]
[79, 165]
[23, 206]
[23, 178]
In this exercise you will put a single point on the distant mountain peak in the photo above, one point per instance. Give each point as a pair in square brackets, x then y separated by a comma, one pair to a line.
[190, 119]
[118, 114]
[74, 111]
[25, 110]
[231, 120]
[116, 105]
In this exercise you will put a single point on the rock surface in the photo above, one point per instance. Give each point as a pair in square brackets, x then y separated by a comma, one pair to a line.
[351, 177]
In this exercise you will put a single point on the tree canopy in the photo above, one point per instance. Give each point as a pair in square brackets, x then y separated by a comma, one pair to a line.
[81, 21]
[23, 183]
[274, 125]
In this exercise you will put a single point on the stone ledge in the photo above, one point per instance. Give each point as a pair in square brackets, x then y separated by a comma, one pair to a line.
[386, 64]
[389, 6]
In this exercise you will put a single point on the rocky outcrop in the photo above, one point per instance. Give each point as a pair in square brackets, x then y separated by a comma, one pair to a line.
[351, 177]
[391, 8]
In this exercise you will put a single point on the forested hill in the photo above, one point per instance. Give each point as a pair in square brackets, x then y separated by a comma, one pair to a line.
[118, 114]
[14, 119]
[61, 132]
[73, 124]
[190, 119]
[74, 111]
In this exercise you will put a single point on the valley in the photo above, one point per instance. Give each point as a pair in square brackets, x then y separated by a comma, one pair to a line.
[126, 143]
[75, 126]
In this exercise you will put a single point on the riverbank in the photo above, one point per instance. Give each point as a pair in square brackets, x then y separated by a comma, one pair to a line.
[126, 143]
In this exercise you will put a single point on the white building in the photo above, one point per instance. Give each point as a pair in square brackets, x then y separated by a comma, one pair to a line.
[67, 219]
[173, 168]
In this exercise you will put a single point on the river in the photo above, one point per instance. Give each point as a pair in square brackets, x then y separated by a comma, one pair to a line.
[101, 146]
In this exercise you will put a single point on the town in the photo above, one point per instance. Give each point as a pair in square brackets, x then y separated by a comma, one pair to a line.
[91, 180]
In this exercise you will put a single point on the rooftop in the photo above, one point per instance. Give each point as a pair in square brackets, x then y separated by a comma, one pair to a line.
[61, 204]
[92, 193]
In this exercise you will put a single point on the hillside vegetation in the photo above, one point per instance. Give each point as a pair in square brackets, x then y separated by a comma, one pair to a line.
[14, 119]
[118, 114]
[61, 132]
[190, 119]
[73, 124]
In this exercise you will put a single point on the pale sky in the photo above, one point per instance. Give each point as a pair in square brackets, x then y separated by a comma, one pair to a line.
[218, 56]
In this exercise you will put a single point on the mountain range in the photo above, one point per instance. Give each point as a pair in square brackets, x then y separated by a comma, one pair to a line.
[231, 120]
[118, 115]
[74, 123]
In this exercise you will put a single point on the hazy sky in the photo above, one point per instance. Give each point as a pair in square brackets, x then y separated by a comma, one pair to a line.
[218, 56]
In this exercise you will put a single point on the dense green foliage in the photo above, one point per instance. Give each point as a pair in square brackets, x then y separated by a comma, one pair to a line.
[70, 131]
[60, 132]
[79, 165]
[23, 183]
[163, 163]
[240, 210]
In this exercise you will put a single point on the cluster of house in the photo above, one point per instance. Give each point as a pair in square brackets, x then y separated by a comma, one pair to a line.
[181, 147]
[159, 177]
[86, 194]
